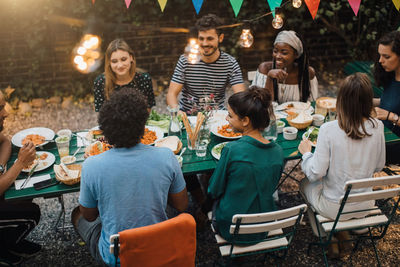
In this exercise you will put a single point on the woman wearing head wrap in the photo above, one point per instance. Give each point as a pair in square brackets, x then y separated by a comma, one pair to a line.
[288, 77]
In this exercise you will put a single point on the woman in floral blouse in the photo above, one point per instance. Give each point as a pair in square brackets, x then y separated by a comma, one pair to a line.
[119, 72]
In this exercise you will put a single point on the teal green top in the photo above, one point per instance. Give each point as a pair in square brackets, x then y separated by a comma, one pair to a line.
[244, 180]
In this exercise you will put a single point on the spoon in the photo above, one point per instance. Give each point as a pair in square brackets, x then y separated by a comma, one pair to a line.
[76, 152]
[183, 151]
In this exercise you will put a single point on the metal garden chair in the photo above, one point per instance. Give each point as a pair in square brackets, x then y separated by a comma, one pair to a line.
[279, 228]
[373, 226]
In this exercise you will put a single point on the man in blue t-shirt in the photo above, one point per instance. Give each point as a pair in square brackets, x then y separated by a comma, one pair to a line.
[129, 185]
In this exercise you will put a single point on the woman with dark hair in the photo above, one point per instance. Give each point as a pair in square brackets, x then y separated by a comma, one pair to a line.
[351, 147]
[387, 74]
[120, 71]
[249, 168]
[288, 77]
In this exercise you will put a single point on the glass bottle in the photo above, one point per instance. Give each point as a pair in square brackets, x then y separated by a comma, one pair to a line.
[174, 125]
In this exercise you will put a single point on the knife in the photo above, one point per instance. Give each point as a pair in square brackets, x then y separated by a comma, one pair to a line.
[29, 176]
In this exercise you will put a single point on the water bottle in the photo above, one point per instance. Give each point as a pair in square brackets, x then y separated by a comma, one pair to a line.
[174, 125]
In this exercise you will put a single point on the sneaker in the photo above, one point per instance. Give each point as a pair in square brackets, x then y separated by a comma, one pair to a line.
[9, 259]
[25, 249]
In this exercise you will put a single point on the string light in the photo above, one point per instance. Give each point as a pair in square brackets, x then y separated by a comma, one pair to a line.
[86, 56]
[192, 51]
[277, 22]
[246, 39]
[296, 3]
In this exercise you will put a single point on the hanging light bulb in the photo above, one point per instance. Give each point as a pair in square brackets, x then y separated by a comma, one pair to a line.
[86, 55]
[246, 39]
[296, 3]
[277, 22]
[192, 51]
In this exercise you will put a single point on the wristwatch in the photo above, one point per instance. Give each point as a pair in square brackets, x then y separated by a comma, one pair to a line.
[2, 169]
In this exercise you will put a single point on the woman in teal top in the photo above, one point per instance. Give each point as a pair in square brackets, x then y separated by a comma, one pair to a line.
[249, 168]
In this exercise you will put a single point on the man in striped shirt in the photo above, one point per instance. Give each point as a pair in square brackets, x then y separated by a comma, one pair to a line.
[212, 75]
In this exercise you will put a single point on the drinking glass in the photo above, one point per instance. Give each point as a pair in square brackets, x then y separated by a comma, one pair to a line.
[63, 146]
[201, 148]
[271, 132]
[174, 125]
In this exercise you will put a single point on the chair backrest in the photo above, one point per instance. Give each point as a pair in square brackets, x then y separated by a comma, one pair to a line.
[169, 243]
[266, 222]
[251, 75]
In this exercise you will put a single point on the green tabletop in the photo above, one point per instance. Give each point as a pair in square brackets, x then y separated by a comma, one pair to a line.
[191, 163]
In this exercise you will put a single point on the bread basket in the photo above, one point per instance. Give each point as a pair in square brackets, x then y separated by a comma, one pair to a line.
[322, 102]
[297, 125]
[178, 149]
[63, 178]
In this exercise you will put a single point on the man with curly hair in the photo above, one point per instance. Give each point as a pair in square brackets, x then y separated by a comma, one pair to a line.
[212, 75]
[129, 185]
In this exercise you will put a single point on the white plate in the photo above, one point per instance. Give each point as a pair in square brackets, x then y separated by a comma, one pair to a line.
[298, 106]
[214, 130]
[43, 164]
[159, 132]
[304, 138]
[218, 116]
[214, 152]
[46, 132]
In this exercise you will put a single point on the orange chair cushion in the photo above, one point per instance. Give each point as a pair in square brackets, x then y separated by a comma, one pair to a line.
[168, 243]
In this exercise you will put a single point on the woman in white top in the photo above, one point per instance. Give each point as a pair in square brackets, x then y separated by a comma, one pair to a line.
[352, 147]
[288, 77]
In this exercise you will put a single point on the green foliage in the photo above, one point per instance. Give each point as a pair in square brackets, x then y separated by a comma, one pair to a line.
[360, 33]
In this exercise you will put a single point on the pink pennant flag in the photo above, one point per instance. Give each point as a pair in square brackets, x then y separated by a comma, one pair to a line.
[312, 7]
[162, 4]
[355, 5]
[128, 3]
[396, 4]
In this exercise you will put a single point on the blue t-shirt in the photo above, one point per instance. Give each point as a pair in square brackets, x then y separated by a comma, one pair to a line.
[390, 100]
[130, 188]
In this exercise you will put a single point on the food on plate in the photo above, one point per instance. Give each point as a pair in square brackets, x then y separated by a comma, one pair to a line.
[171, 142]
[290, 105]
[313, 136]
[149, 137]
[302, 117]
[43, 156]
[94, 135]
[36, 139]
[98, 147]
[291, 112]
[40, 160]
[218, 148]
[326, 103]
[227, 131]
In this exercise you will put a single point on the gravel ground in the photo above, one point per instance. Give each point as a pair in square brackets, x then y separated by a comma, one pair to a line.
[67, 249]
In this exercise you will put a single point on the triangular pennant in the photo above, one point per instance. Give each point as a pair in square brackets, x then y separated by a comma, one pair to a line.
[274, 4]
[128, 3]
[355, 5]
[312, 7]
[236, 5]
[197, 5]
[162, 4]
[396, 4]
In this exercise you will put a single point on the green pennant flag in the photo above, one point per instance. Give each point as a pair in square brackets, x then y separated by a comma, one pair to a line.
[236, 5]
[274, 4]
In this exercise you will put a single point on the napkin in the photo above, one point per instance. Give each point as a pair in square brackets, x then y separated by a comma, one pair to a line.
[81, 139]
[33, 180]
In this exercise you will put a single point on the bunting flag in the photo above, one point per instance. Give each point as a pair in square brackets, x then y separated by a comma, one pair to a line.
[128, 3]
[236, 5]
[197, 5]
[162, 4]
[355, 5]
[396, 4]
[312, 7]
[93, 1]
[274, 4]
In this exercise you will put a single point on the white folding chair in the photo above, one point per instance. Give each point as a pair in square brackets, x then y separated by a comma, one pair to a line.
[375, 219]
[279, 228]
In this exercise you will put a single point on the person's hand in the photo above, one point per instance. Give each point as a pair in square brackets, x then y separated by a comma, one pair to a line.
[278, 74]
[305, 146]
[27, 154]
[381, 113]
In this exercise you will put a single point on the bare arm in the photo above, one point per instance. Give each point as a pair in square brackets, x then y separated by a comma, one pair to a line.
[26, 156]
[238, 87]
[90, 214]
[179, 200]
[5, 149]
[173, 92]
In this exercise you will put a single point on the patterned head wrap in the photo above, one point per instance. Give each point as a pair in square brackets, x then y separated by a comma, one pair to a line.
[290, 38]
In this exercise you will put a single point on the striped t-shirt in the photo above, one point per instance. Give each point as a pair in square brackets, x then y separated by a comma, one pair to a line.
[202, 79]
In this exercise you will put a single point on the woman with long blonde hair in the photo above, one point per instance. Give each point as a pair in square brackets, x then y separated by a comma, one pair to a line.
[120, 71]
